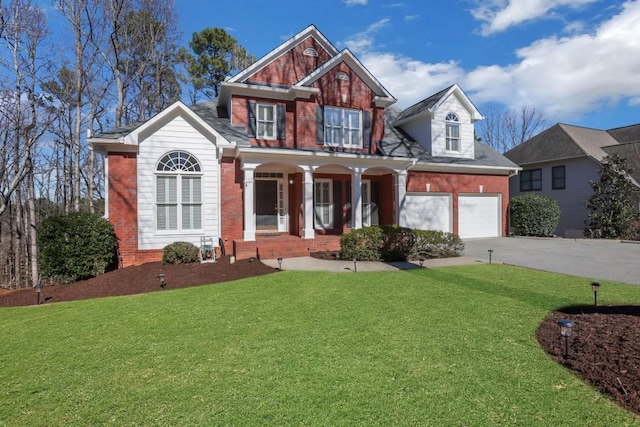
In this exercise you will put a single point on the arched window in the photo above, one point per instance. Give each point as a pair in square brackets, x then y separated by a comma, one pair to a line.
[453, 132]
[310, 52]
[178, 192]
[343, 76]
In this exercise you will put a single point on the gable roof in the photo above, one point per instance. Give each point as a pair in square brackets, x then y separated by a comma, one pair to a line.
[626, 133]
[310, 31]
[398, 143]
[430, 104]
[631, 152]
[562, 141]
[383, 97]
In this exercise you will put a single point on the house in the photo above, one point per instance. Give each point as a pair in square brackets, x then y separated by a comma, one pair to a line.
[297, 149]
[561, 161]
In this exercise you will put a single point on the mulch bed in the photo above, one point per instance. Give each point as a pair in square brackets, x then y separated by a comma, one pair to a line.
[604, 348]
[140, 279]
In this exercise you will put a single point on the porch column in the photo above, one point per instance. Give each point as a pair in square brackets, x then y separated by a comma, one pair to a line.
[401, 192]
[249, 233]
[356, 211]
[307, 184]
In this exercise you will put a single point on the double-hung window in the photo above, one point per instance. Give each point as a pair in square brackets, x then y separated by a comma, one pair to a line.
[558, 177]
[531, 180]
[178, 192]
[266, 121]
[342, 127]
[453, 132]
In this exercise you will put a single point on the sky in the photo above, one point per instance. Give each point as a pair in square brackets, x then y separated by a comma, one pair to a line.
[578, 61]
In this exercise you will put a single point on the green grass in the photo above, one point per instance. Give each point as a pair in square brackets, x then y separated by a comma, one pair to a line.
[434, 347]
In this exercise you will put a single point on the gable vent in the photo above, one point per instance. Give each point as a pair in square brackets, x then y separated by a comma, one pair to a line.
[343, 76]
[310, 52]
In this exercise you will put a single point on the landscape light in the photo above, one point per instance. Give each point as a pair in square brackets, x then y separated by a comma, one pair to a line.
[38, 291]
[163, 283]
[355, 264]
[490, 253]
[566, 328]
[279, 263]
[421, 261]
[595, 286]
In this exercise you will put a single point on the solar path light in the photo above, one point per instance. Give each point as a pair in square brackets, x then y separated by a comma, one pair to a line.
[595, 287]
[566, 328]
[279, 263]
[163, 282]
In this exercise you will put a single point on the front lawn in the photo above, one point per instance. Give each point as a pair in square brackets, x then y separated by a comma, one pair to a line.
[450, 346]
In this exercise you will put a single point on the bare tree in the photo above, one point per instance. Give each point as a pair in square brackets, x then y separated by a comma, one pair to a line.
[504, 129]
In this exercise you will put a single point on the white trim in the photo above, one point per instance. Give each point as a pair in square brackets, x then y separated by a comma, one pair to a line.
[329, 225]
[274, 120]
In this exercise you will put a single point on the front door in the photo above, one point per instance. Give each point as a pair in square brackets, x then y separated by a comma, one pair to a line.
[270, 215]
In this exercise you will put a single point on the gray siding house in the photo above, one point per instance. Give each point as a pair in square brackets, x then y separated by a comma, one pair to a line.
[561, 161]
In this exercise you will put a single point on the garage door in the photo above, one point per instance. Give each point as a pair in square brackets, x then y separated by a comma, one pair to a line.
[428, 211]
[479, 216]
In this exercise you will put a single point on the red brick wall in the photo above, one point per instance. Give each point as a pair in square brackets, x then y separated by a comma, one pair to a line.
[232, 205]
[461, 183]
[123, 204]
[292, 66]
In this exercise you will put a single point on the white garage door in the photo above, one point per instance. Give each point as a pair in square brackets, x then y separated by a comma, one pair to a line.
[428, 211]
[479, 216]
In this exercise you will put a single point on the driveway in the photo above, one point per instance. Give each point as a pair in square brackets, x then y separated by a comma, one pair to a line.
[593, 259]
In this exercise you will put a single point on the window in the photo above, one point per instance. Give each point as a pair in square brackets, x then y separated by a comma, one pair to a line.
[323, 203]
[342, 127]
[178, 192]
[310, 52]
[453, 132]
[531, 180]
[558, 177]
[366, 202]
[266, 121]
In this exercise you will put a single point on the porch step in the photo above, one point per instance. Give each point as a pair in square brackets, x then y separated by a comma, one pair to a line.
[284, 245]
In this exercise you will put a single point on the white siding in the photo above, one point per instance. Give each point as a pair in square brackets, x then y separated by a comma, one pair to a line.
[452, 105]
[572, 199]
[420, 130]
[177, 134]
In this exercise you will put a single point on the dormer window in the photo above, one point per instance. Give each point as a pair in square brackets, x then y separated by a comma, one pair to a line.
[453, 132]
[310, 52]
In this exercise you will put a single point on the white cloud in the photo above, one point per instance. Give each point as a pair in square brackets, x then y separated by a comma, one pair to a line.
[569, 76]
[410, 18]
[355, 2]
[499, 15]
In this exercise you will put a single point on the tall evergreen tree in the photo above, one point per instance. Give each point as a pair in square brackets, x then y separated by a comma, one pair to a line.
[611, 206]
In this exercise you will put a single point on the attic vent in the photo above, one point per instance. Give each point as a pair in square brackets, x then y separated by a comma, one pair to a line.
[310, 52]
[343, 76]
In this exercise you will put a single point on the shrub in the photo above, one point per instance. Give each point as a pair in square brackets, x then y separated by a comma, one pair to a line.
[180, 253]
[436, 244]
[534, 215]
[76, 246]
[364, 243]
[631, 230]
[393, 243]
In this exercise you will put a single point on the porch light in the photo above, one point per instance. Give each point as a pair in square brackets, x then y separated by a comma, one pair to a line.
[490, 253]
[163, 283]
[595, 287]
[280, 263]
[566, 328]
[355, 264]
[38, 291]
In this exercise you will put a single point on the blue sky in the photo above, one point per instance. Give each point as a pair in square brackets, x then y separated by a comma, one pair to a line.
[576, 60]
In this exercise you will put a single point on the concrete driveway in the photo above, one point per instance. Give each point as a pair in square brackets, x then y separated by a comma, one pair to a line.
[593, 259]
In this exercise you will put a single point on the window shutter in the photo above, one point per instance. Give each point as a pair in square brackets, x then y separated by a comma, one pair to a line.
[251, 119]
[337, 204]
[281, 122]
[320, 125]
[366, 129]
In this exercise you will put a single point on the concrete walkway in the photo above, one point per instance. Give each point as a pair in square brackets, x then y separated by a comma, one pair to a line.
[314, 264]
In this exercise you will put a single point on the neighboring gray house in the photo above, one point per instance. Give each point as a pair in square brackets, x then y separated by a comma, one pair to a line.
[560, 161]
